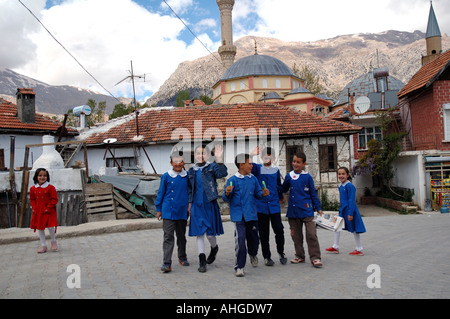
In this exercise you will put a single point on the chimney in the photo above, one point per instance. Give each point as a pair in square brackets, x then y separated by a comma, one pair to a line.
[26, 105]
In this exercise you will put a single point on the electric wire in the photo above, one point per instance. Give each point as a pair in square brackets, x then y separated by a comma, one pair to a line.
[73, 57]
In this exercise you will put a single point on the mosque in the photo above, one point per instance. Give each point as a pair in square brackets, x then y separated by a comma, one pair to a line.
[260, 78]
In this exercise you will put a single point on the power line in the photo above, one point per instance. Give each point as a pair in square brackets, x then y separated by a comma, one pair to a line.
[192, 32]
[31, 12]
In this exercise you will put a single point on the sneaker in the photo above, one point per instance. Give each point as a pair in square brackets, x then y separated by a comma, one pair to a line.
[184, 262]
[297, 260]
[332, 250]
[42, 249]
[54, 246]
[166, 268]
[316, 263]
[356, 253]
[268, 262]
[254, 261]
[283, 259]
[239, 272]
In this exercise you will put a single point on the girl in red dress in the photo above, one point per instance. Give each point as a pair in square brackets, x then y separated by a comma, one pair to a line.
[43, 200]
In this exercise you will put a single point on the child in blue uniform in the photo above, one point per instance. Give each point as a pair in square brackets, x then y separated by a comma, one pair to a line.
[268, 207]
[203, 206]
[349, 211]
[241, 191]
[303, 201]
[172, 206]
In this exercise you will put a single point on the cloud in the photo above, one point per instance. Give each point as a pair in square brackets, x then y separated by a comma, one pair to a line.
[105, 36]
[293, 20]
[179, 6]
[16, 48]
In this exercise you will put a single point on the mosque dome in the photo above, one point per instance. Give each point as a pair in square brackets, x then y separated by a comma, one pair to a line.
[257, 65]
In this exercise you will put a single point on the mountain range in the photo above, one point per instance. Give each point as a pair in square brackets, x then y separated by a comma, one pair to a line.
[50, 98]
[336, 61]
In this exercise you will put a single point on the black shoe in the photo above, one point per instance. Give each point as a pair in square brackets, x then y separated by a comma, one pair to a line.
[212, 255]
[283, 259]
[268, 262]
[202, 263]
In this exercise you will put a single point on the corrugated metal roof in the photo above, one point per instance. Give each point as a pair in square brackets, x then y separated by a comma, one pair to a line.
[366, 84]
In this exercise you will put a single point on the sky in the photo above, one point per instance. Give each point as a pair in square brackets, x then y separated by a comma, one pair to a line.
[106, 35]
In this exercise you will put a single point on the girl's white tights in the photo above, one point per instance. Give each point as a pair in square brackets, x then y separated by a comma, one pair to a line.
[42, 235]
[201, 243]
[337, 236]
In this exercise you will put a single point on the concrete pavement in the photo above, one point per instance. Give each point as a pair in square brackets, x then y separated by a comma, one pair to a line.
[406, 256]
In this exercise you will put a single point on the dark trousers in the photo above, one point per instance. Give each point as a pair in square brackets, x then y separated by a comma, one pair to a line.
[296, 225]
[246, 239]
[179, 228]
[264, 232]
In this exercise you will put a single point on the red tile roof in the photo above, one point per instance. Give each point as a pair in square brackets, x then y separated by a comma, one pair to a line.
[426, 75]
[157, 125]
[10, 122]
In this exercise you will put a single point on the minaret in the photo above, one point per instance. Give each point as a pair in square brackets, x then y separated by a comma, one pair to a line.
[227, 51]
[433, 38]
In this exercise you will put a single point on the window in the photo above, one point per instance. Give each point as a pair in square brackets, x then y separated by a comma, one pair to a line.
[446, 109]
[367, 134]
[278, 83]
[327, 158]
[242, 85]
[2, 159]
[264, 83]
[233, 87]
[290, 151]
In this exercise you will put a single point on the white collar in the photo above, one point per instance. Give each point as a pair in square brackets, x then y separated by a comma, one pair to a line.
[196, 167]
[174, 174]
[340, 184]
[239, 175]
[45, 185]
[295, 176]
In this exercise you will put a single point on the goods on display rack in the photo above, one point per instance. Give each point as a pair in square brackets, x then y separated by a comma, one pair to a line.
[440, 183]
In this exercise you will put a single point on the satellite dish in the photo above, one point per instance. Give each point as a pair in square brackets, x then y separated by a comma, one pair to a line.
[362, 105]
[110, 140]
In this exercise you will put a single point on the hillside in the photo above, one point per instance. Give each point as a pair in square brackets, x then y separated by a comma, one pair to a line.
[49, 98]
[337, 61]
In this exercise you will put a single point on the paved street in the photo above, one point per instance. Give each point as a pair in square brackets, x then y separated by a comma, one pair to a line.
[412, 252]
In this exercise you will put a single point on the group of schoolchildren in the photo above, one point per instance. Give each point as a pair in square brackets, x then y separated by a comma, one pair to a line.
[254, 194]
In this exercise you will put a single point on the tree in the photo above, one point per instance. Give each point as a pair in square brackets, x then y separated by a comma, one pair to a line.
[182, 96]
[97, 112]
[206, 99]
[311, 79]
[121, 110]
[378, 159]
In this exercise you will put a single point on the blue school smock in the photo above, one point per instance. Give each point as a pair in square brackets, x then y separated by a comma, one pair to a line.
[303, 199]
[272, 178]
[243, 197]
[205, 214]
[348, 207]
[172, 198]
